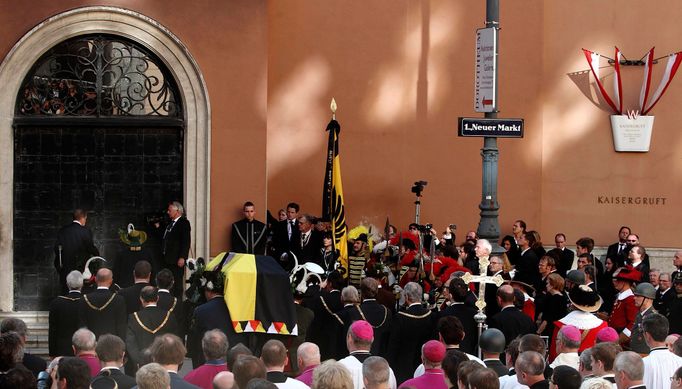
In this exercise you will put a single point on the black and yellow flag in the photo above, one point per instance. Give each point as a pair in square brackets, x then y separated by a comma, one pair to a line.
[333, 207]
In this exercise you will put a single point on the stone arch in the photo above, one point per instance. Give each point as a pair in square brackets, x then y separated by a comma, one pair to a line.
[193, 92]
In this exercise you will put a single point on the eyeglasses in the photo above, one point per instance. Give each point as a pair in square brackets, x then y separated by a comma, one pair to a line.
[632, 241]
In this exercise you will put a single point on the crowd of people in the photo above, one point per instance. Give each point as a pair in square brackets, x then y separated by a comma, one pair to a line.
[403, 312]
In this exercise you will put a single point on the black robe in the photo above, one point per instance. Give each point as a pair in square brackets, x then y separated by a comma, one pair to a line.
[410, 329]
[63, 322]
[143, 326]
[103, 312]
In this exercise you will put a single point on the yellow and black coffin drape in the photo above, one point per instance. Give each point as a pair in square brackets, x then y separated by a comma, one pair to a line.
[257, 293]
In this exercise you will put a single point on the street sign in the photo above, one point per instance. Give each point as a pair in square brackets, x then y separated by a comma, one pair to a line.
[499, 128]
[485, 93]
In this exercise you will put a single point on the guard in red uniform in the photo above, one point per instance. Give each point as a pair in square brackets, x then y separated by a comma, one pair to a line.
[624, 310]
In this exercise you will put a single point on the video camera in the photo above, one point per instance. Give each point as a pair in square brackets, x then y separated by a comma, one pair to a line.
[418, 187]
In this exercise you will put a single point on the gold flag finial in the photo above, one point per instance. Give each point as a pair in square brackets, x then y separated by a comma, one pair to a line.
[333, 108]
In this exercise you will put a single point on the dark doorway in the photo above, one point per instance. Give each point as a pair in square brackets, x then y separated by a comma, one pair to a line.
[98, 126]
[121, 175]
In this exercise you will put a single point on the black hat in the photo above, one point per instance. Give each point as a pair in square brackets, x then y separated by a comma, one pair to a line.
[361, 238]
[584, 298]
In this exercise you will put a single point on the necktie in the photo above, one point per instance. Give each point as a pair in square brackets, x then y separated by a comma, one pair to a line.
[169, 228]
[304, 239]
[290, 227]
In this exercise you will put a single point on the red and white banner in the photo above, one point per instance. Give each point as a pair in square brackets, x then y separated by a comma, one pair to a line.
[646, 82]
[670, 70]
[593, 61]
[618, 82]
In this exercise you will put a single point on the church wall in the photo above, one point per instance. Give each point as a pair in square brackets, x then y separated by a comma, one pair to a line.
[582, 174]
[401, 72]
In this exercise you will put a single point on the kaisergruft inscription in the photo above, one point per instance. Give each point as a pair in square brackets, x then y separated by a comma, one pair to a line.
[632, 200]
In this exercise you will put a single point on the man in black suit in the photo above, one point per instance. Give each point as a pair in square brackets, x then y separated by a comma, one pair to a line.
[286, 236]
[465, 313]
[510, 320]
[248, 234]
[527, 266]
[169, 352]
[211, 315]
[176, 244]
[618, 252]
[144, 325]
[310, 241]
[131, 294]
[564, 254]
[377, 315]
[110, 350]
[664, 294]
[74, 247]
[410, 329]
[495, 268]
[103, 311]
[63, 317]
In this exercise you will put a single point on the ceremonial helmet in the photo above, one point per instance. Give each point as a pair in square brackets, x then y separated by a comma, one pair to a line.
[645, 289]
[492, 341]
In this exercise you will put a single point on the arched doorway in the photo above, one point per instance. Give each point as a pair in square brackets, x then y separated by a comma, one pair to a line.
[115, 120]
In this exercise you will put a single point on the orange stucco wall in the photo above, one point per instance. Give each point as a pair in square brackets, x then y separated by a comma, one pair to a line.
[402, 73]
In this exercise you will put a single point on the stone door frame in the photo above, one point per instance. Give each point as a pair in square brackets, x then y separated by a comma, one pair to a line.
[191, 86]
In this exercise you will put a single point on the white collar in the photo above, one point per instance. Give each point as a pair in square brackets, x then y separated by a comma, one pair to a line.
[635, 264]
[625, 294]
[524, 251]
[150, 305]
[76, 221]
[110, 368]
[78, 291]
[582, 320]
[164, 290]
[102, 287]
[176, 219]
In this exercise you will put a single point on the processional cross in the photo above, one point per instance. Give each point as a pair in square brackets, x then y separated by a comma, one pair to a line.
[482, 280]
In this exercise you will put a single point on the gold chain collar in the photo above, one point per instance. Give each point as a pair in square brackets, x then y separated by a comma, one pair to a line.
[103, 307]
[144, 327]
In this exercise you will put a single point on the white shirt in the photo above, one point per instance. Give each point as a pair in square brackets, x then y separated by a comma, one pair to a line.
[291, 383]
[566, 359]
[659, 366]
[511, 382]
[355, 367]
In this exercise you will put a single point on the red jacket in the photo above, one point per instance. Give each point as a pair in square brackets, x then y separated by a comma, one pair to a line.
[624, 312]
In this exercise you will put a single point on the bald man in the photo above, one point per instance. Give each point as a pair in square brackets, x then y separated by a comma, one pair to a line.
[510, 320]
[103, 311]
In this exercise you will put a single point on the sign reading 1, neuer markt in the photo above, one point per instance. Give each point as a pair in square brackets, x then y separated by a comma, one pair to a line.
[485, 92]
[499, 128]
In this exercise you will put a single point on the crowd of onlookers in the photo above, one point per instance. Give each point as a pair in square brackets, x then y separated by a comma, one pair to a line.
[412, 316]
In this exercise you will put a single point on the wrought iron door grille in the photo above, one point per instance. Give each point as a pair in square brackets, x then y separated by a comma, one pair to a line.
[99, 76]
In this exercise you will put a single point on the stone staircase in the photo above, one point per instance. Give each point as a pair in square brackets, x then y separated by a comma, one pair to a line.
[37, 323]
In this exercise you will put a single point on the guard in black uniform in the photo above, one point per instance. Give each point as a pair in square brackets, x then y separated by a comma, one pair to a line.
[248, 234]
